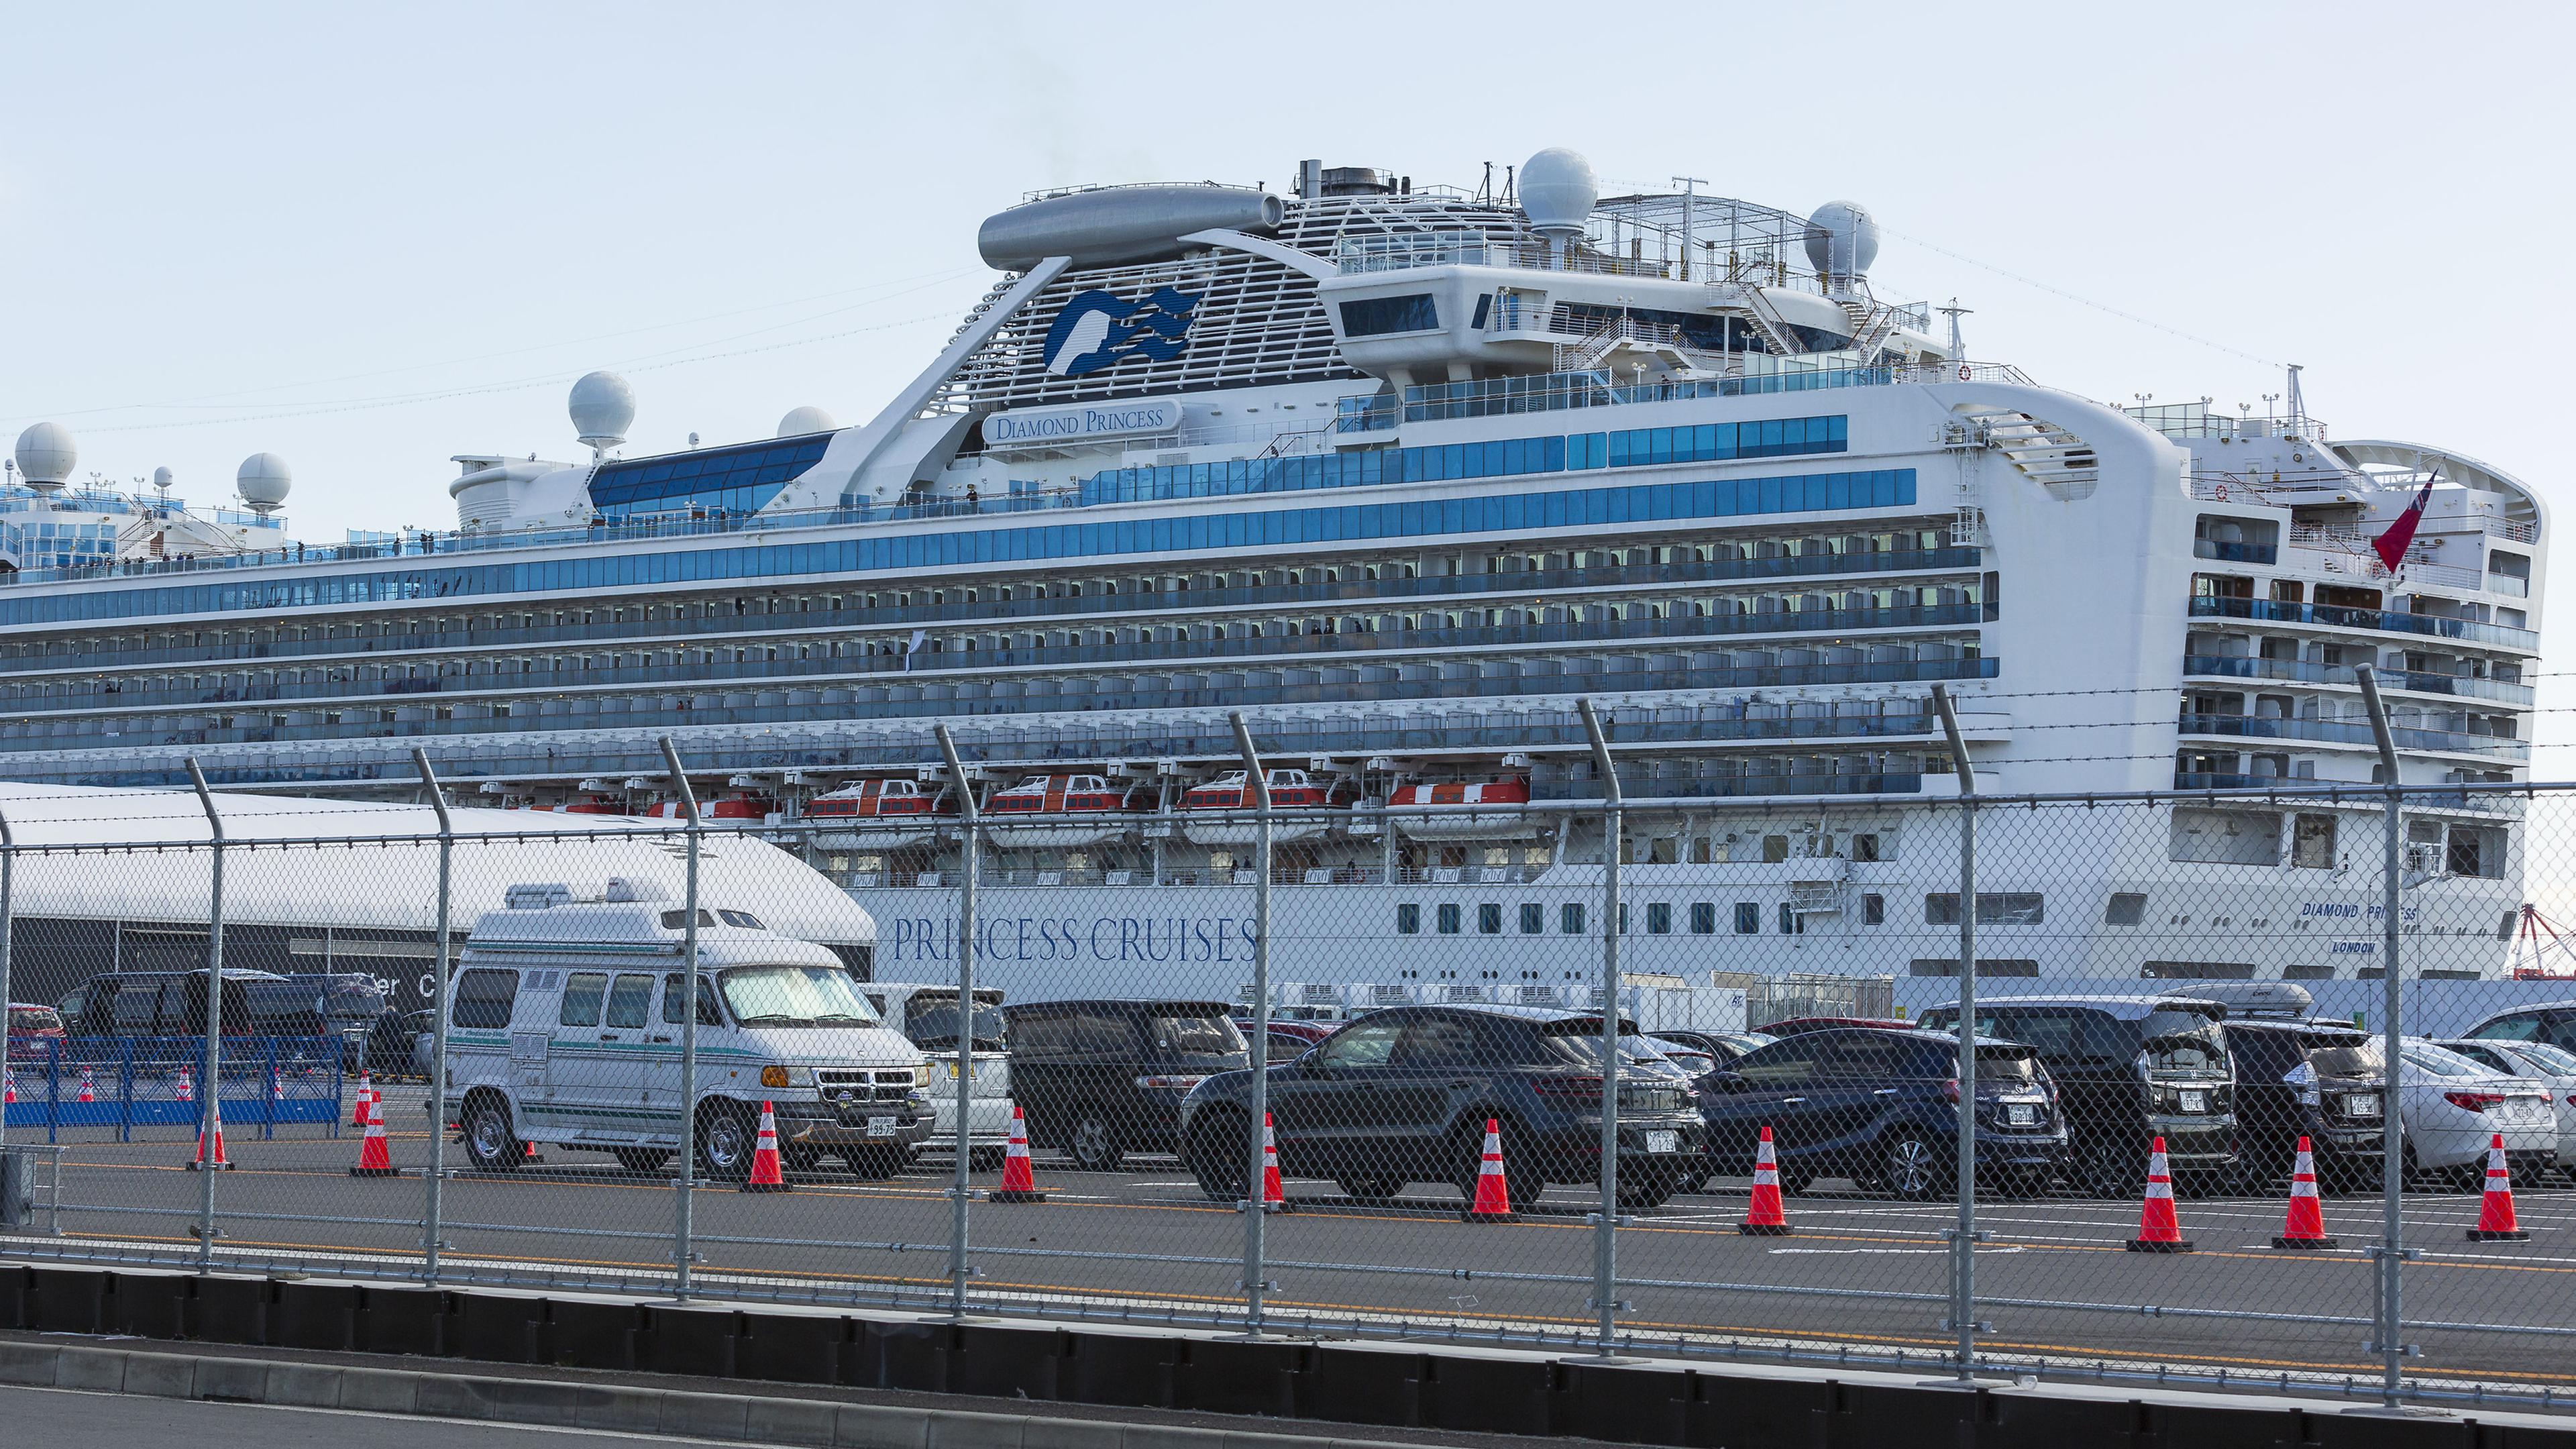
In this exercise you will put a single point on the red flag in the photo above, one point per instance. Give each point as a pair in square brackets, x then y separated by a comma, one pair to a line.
[2392, 545]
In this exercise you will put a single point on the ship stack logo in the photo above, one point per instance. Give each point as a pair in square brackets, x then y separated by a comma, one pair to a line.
[1098, 330]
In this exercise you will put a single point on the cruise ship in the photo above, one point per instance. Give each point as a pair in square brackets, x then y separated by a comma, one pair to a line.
[1400, 472]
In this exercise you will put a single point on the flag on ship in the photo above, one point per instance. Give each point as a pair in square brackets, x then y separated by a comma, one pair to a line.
[2392, 544]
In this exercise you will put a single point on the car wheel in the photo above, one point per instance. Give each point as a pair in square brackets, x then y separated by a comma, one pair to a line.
[1913, 1168]
[2105, 1168]
[726, 1134]
[641, 1159]
[1371, 1189]
[1219, 1157]
[491, 1141]
[1094, 1144]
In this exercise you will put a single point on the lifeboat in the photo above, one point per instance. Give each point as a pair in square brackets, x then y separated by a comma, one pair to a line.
[1061, 810]
[735, 806]
[1289, 790]
[1497, 811]
[588, 805]
[890, 814]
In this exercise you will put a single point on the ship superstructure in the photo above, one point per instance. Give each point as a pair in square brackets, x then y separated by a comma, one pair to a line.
[1398, 472]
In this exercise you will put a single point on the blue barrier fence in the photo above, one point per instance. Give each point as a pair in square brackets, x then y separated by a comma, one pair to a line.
[130, 1082]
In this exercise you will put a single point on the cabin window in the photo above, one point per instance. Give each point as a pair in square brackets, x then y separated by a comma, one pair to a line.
[484, 999]
[582, 995]
[1408, 919]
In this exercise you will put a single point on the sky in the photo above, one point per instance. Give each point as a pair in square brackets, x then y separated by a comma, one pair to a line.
[369, 237]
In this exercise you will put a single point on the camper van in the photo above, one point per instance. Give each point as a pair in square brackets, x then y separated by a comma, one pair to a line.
[566, 1032]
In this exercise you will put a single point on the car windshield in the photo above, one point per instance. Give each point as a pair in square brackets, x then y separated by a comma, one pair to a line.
[795, 996]
[1196, 1036]
[2182, 1041]
[2443, 1062]
[352, 998]
[2344, 1056]
[2558, 1061]
[932, 1025]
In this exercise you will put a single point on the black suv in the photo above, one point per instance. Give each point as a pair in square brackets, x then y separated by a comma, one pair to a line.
[1101, 1079]
[1881, 1107]
[2129, 1069]
[1402, 1096]
[2317, 1080]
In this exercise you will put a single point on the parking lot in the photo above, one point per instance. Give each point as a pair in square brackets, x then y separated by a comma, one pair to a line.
[1862, 1270]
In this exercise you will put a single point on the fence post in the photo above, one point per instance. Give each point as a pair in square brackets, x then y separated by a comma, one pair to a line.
[681, 1224]
[960, 1190]
[1256, 1205]
[1963, 1255]
[1605, 1230]
[210, 1110]
[2391, 1251]
[431, 1210]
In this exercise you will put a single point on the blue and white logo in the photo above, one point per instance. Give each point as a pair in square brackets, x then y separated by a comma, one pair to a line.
[1097, 330]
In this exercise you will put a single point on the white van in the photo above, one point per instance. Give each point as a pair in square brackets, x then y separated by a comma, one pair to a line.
[566, 1031]
[927, 1013]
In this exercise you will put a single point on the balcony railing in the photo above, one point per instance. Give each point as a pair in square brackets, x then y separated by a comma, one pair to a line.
[2388, 620]
[2353, 732]
[2456, 685]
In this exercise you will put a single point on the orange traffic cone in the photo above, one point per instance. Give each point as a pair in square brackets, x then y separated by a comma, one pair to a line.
[532, 1156]
[1493, 1200]
[363, 1108]
[1764, 1218]
[2306, 1226]
[2159, 1231]
[88, 1086]
[373, 1160]
[1274, 1193]
[11, 1097]
[276, 1085]
[2495, 1213]
[213, 1122]
[1019, 1183]
[765, 1176]
[185, 1088]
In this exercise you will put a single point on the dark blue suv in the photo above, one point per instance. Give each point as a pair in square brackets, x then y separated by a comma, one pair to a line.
[1402, 1096]
[1881, 1107]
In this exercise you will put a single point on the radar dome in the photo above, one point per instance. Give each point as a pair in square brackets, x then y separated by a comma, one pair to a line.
[162, 478]
[263, 481]
[1842, 239]
[800, 421]
[1557, 190]
[46, 456]
[603, 408]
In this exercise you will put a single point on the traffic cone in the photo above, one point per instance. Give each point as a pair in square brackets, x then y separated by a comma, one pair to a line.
[213, 1122]
[2159, 1231]
[1019, 1183]
[532, 1157]
[1493, 1200]
[373, 1160]
[1763, 1217]
[1274, 1193]
[276, 1085]
[2495, 1213]
[88, 1087]
[2306, 1226]
[765, 1176]
[184, 1089]
[10, 1099]
[361, 1109]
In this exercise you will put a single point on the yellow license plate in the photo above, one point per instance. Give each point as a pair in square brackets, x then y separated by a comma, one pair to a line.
[952, 1071]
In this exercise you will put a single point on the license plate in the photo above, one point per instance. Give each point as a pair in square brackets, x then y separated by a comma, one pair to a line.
[2195, 1101]
[2363, 1106]
[882, 1126]
[1663, 1142]
[952, 1071]
[2020, 1114]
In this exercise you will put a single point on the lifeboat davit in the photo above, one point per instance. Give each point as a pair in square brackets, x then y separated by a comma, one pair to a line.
[1061, 810]
[1289, 790]
[1498, 809]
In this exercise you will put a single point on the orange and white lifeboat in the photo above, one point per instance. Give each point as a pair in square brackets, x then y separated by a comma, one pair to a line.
[735, 806]
[1061, 810]
[589, 805]
[1296, 790]
[887, 814]
[1495, 809]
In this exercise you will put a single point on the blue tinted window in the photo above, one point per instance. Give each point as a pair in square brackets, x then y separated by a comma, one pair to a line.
[1375, 316]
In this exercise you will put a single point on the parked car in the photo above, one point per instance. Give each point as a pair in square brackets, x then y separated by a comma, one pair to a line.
[1101, 1079]
[390, 1044]
[1695, 1060]
[2318, 1080]
[1403, 1095]
[1720, 1047]
[1880, 1106]
[1289, 1040]
[2129, 1069]
[340, 1006]
[2553, 1069]
[927, 1014]
[2453, 1108]
[2553, 1022]
[33, 1030]
[1791, 1026]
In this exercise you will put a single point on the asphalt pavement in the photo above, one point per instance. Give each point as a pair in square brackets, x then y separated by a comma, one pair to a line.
[2053, 1276]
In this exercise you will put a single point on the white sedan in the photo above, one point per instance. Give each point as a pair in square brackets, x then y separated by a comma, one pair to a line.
[2538, 1064]
[2453, 1108]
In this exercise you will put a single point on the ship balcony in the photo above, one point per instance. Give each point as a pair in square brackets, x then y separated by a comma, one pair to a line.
[2296, 671]
[2357, 735]
[2379, 621]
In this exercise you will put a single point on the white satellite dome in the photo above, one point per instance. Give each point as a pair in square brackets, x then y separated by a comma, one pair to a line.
[1842, 239]
[1557, 190]
[800, 421]
[603, 408]
[264, 481]
[162, 478]
[46, 455]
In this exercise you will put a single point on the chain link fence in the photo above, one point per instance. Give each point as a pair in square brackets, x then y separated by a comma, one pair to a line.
[1643, 1077]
